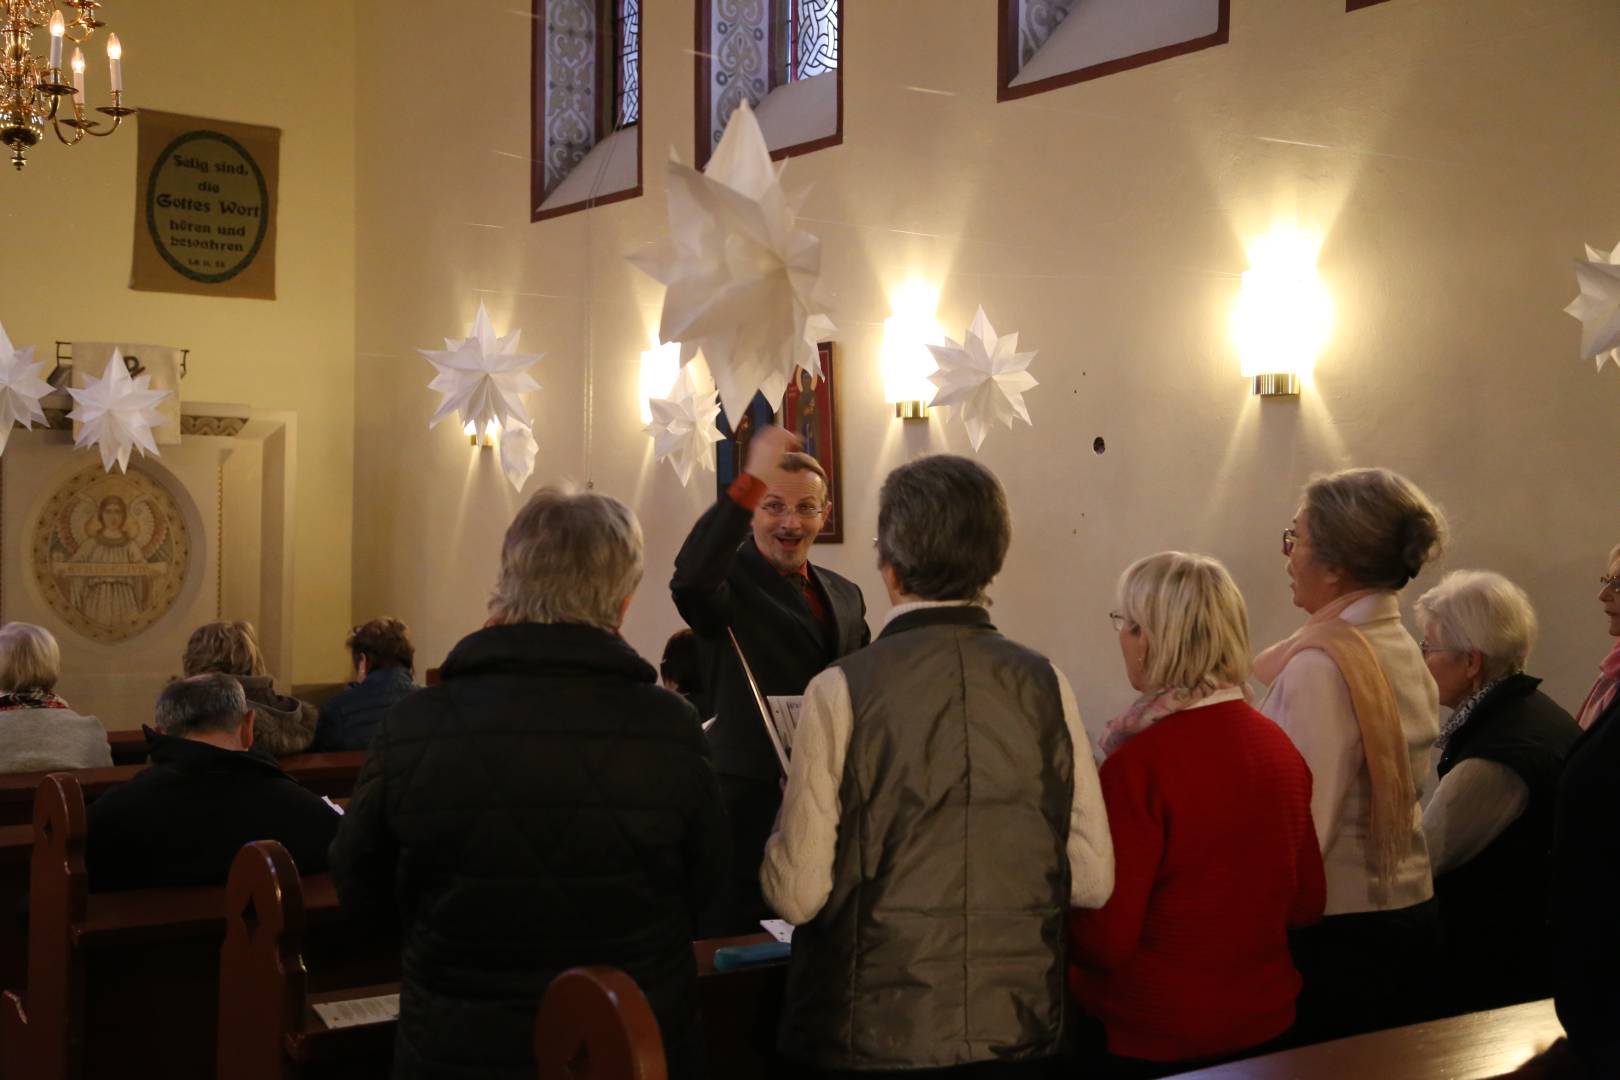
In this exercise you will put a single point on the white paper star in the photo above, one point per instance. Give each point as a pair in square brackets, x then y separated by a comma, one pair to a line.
[20, 388]
[1598, 306]
[683, 428]
[117, 413]
[743, 281]
[483, 377]
[986, 378]
[518, 451]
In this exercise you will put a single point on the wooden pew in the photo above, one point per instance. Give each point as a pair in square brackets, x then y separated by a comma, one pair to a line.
[128, 747]
[594, 1023]
[1500, 1042]
[118, 984]
[740, 1012]
[269, 1028]
[332, 775]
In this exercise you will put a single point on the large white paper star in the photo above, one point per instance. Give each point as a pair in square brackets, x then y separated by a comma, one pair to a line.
[117, 413]
[683, 428]
[483, 377]
[1598, 306]
[518, 451]
[985, 378]
[20, 388]
[743, 280]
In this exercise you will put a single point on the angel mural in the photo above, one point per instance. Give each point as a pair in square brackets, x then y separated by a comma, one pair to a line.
[113, 552]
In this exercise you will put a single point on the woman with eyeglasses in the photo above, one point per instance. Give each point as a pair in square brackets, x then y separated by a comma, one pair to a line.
[1215, 857]
[1603, 691]
[1352, 691]
[1490, 822]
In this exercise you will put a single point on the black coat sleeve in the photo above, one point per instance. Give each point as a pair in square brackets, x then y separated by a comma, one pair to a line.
[365, 852]
[708, 836]
[699, 586]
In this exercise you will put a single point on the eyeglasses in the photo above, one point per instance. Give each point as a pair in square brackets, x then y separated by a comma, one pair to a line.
[1290, 538]
[778, 508]
[1426, 649]
[1611, 583]
[1120, 621]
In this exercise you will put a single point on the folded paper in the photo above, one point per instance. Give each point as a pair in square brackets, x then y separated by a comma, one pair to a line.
[117, 413]
[21, 388]
[743, 281]
[984, 378]
[518, 451]
[482, 377]
[1598, 305]
[683, 428]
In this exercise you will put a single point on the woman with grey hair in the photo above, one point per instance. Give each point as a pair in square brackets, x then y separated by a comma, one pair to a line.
[1490, 821]
[38, 732]
[1604, 690]
[546, 805]
[1351, 689]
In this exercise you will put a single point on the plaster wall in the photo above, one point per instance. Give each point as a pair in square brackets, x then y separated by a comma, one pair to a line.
[68, 221]
[1454, 154]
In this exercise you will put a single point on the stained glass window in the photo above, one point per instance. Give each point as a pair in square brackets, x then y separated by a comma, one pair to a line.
[808, 38]
[626, 63]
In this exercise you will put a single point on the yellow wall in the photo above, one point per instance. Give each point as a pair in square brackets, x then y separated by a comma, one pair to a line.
[68, 223]
[1456, 154]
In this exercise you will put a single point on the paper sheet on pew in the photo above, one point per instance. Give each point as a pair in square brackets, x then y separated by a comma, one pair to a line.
[358, 1011]
[780, 929]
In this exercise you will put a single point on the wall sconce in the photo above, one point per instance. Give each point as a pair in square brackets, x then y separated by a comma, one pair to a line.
[492, 432]
[660, 365]
[1283, 312]
[907, 363]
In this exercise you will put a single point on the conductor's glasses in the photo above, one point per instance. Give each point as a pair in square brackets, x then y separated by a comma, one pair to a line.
[777, 508]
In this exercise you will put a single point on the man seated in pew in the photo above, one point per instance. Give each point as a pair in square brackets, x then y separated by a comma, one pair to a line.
[384, 661]
[546, 805]
[286, 725]
[38, 731]
[182, 820]
[942, 814]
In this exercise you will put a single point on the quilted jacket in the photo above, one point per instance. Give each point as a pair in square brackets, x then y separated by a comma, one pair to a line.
[547, 805]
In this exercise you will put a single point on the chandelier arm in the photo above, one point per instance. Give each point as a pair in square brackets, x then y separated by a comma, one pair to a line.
[118, 118]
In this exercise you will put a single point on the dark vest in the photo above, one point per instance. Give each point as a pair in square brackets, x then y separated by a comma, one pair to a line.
[1495, 905]
[942, 940]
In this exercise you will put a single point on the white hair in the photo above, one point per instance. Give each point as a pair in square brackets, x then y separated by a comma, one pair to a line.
[30, 659]
[1195, 620]
[568, 559]
[1480, 611]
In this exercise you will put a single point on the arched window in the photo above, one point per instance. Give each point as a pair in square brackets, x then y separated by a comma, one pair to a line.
[1045, 44]
[782, 57]
[586, 145]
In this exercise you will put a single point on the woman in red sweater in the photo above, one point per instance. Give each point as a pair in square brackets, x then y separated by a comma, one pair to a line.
[1215, 854]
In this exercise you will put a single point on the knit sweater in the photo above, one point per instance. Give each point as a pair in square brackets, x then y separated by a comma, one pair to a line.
[1215, 859]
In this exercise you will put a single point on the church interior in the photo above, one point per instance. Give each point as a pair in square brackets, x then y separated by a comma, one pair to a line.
[1243, 245]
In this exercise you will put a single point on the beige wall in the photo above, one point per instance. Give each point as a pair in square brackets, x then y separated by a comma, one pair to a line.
[1456, 153]
[68, 220]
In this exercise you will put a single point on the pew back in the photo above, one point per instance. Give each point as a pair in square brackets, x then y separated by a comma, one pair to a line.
[594, 1023]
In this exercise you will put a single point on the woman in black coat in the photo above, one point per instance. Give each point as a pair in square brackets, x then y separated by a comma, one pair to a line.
[1489, 824]
[547, 805]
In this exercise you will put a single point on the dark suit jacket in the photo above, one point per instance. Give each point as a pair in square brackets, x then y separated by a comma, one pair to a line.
[722, 580]
[1585, 893]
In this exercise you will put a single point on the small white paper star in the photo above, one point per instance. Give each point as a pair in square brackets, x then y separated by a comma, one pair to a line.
[743, 280]
[518, 451]
[117, 413]
[483, 377]
[683, 428]
[985, 378]
[1598, 305]
[20, 388]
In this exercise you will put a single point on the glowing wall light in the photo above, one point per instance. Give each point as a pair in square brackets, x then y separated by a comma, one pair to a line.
[1283, 313]
[659, 367]
[907, 363]
[492, 432]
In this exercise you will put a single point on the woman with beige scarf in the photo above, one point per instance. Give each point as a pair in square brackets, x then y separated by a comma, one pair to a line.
[1351, 690]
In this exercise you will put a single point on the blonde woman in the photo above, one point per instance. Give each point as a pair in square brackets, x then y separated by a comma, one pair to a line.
[282, 725]
[38, 731]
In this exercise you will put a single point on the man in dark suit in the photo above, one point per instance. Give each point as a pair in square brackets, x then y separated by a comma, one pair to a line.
[745, 570]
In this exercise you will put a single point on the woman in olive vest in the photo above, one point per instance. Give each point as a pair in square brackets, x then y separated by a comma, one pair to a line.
[1490, 822]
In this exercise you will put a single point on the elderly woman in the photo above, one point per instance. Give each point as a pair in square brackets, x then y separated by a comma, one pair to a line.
[1352, 691]
[38, 731]
[281, 724]
[1490, 821]
[1603, 692]
[1215, 857]
[547, 805]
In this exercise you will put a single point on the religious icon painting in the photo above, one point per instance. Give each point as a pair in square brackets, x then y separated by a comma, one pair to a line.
[110, 552]
[808, 409]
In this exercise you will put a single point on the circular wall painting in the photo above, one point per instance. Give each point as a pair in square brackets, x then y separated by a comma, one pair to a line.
[110, 552]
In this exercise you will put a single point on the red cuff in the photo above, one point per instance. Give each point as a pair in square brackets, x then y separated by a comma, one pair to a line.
[746, 490]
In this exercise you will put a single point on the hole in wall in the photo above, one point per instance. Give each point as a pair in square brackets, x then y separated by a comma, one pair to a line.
[1098, 446]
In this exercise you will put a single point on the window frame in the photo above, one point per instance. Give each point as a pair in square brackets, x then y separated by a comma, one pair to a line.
[604, 106]
[1357, 5]
[703, 80]
[1007, 55]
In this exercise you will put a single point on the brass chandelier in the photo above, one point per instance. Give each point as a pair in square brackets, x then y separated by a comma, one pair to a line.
[32, 87]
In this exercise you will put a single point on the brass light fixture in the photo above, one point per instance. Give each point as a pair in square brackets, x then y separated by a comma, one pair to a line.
[32, 87]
